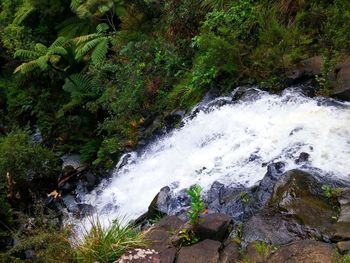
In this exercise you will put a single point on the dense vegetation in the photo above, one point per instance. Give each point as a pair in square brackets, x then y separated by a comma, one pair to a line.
[99, 76]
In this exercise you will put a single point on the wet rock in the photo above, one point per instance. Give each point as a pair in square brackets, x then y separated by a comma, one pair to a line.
[206, 251]
[166, 203]
[174, 118]
[274, 228]
[159, 205]
[70, 202]
[85, 210]
[230, 253]
[343, 247]
[306, 251]
[226, 200]
[299, 195]
[303, 158]
[140, 255]
[265, 187]
[125, 159]
[214, 226]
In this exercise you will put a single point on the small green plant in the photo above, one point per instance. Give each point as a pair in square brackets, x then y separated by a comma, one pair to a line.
[197, 205]
[244, 197]
[331, 192]
[108, 244]
[188, 237]
[264, 248]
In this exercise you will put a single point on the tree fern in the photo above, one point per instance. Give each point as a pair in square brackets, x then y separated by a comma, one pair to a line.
[41, 57]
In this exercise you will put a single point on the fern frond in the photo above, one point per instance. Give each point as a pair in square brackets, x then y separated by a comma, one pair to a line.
[77, 85]
[58, 42]
[75, 4]
[42, 62]
[84, 49]
[40, 48]
[26, 54]
[101, 28]
[22, 13]
[82, 39]
[25, 68]
[100, 52]
[57, 51]
[74, 26]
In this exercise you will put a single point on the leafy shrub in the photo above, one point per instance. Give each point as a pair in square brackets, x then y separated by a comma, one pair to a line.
[26, 169]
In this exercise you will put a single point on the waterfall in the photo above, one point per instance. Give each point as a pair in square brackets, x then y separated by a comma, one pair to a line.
[231, 144]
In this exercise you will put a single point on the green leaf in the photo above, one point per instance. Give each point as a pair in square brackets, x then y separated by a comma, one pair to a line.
[99, 53]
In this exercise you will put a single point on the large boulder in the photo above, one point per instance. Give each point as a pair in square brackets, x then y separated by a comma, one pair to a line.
[214, 226]
[339, 78]
[274, 228]
[299, 195]
[206, 251]
[306, 251]
[159, 236]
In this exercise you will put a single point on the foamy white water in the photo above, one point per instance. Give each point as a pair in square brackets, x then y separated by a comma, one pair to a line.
[220, 145]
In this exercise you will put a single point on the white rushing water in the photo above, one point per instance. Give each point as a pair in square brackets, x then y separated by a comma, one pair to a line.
[220, 145]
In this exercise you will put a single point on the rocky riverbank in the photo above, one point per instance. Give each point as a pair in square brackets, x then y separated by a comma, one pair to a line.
[291, 216]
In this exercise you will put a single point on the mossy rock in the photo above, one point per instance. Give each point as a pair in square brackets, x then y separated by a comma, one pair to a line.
[299, 194]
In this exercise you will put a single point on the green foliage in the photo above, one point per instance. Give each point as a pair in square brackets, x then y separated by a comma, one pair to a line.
[42, 57]
[41, 234]
[188, 237]
[244, 197]
[197, 205]
[331, 192]
[264, 248]
[24, 160]
[107, 245]
[96, 43]
[26, 169]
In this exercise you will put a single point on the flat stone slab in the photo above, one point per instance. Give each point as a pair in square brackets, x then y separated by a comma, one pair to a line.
[206, 251]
